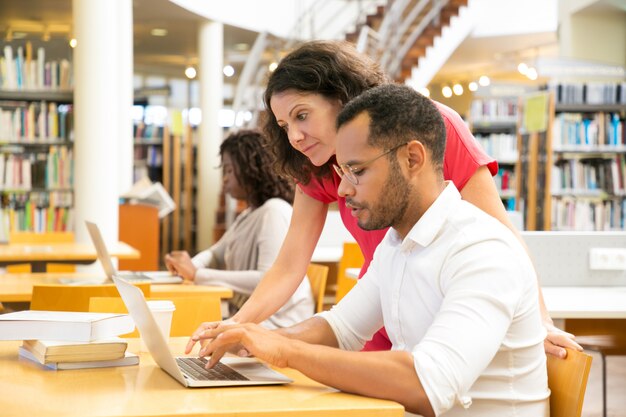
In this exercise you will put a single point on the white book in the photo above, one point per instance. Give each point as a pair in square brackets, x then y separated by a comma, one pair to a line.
[11, 81]
[63, 325]
[128, 360]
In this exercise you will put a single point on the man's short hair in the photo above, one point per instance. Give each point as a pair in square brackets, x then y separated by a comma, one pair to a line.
[399, 114]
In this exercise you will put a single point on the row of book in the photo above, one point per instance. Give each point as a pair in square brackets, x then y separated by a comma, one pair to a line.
[148, 132]
[505, 180]
[597, 129]
[588, 215]
[52, 170]
[501, 146]
[36, 212]
[583, 175]
[152, 155]
[22, 69]
[70, 340]
[37, 121]
[589, 93]
[494, 109]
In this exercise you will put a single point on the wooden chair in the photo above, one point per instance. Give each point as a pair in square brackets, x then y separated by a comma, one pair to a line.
[74, 297]
[351, 258]
[607, 337]
[190, 311]
[567, 380]
[318, 274]
[40, 238]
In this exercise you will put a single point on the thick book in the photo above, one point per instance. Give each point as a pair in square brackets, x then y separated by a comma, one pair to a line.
[63, 325]
[128, 360]
[47, 351]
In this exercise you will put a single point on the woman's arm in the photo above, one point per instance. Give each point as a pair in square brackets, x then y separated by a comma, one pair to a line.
[481, 191]
[287, 272]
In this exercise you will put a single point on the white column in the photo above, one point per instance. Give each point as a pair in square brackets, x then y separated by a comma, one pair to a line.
[211, 56]
[125, 93]
[100, 35]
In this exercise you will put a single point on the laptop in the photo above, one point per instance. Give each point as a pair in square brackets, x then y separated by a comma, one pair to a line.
[155, 277]
[189, 371]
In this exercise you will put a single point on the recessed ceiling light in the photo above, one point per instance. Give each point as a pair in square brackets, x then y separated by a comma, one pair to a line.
[273, 66]
[473, 86]
[484, 80]
[446, 91]
[158, 32]
[241, 46]
[228, 70]
[458, 89]
[73, 42]
[190, 72]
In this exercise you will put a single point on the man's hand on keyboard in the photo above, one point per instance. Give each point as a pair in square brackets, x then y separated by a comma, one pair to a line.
[246, 339]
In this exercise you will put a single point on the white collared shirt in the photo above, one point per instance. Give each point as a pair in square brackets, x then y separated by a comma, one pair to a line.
[459, 293]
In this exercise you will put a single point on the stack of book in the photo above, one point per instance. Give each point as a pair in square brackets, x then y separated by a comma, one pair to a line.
[70, 340]
[56, 354]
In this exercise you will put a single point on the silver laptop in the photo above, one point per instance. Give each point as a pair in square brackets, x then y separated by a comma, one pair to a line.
[190, 371]
[155, 277]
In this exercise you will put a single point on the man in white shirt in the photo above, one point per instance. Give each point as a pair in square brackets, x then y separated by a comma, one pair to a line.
[454, 288]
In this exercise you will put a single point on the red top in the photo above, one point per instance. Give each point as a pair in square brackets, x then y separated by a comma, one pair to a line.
[463, 156]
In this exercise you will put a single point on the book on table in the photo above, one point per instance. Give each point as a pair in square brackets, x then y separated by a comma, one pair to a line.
[127, 360]
[63, 325]
[48, 351]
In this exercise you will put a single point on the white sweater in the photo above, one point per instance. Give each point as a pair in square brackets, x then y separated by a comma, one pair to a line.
[246, 251]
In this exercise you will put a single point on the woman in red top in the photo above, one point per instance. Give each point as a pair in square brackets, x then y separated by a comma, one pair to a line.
[303, 97]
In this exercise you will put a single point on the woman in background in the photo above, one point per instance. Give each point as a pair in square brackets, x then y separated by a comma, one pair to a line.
[250, 246]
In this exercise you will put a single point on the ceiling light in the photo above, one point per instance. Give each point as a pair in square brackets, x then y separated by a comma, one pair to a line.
[532, 73]
[73, 42]
[241, 46]
[473, 86]
[190, 72]
[522, 68]
[158, 32]
[446, 91]
[424, 91]
[273, 66]
[228, 70]
[484, 80]
[458, 89]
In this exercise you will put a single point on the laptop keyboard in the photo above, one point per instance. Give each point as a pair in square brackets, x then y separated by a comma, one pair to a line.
[194, 367]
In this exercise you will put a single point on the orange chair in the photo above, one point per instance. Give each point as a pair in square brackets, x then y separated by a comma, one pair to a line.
[318, 275]
[74, 297]
[567, 380]
[40, 238]
[351, 258]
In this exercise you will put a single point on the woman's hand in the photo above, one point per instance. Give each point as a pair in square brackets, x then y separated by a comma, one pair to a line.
[179, 263]
[557, 340]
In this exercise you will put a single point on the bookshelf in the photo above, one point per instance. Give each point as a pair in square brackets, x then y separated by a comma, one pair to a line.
[168, 155]
[36, 140]
[534, 143]
[493, 122]
[589, 146]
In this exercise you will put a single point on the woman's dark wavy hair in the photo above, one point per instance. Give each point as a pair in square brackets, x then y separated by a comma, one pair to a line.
[253, 166]
[333, 69]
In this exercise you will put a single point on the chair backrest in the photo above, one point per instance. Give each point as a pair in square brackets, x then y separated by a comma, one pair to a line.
[40, 238]
[190, 311]
[318, 274]
[567, 380]
[351, 258]
[74, 297]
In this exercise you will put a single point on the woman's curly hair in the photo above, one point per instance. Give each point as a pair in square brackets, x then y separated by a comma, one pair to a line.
[253, 167]
[333, 69]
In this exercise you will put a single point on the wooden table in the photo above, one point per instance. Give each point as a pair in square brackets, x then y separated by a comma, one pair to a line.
[38, 255]
[19, 287]
[147, 391]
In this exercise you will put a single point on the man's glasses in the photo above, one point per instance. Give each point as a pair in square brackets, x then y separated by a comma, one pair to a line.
[350, 172]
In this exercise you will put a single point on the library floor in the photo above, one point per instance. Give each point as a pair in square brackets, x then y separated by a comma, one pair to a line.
[616, 381]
